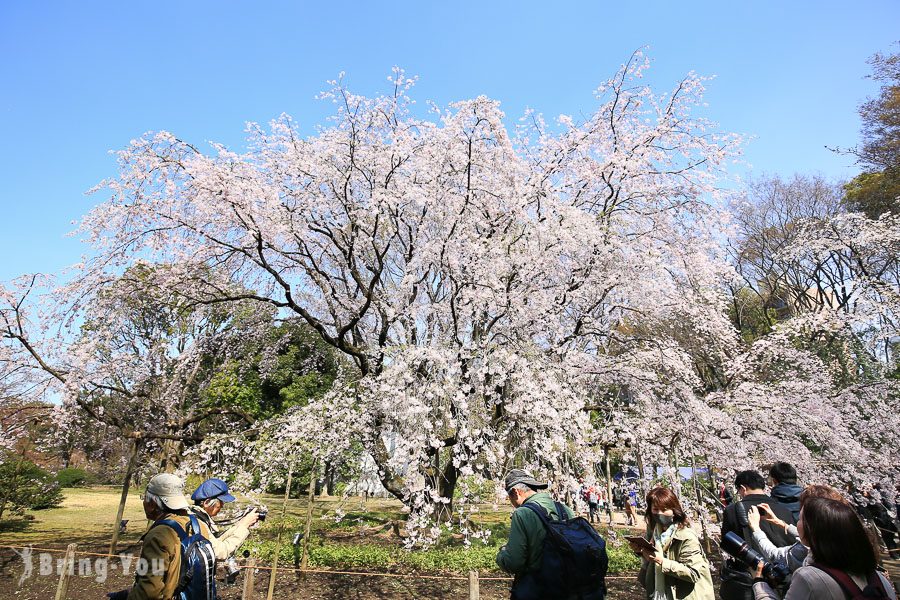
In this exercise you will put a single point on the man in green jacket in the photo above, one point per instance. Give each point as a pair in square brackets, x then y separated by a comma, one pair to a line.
[522, 553]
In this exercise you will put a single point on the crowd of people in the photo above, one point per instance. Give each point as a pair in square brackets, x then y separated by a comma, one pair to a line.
[793, 542]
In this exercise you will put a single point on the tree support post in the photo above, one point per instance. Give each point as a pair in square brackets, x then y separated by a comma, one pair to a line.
[609, 495]
[700, 503]
[311, 496]
[287, 493]
[129, 472]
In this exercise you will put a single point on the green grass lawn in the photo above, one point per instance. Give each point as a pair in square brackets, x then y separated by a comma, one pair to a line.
[362, 539]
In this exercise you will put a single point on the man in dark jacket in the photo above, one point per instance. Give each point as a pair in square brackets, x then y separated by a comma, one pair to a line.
[785, 488]
[737, 584]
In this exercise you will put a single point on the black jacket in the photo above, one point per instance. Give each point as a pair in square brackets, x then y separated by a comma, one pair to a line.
[732, 522]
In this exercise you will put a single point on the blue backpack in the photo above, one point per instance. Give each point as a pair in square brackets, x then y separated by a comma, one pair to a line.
[198, 562]
[573, 561]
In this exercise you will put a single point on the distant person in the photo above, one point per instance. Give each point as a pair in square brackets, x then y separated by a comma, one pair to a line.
[543, 570]
[209, 498]
[593, 500]
[725, 496]
[678, 569]
[174, 530]
[785, 488]
[844, 558]
[736, 581]
[631, 507]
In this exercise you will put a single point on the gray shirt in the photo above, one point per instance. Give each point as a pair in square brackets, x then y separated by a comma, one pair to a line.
[810, 583]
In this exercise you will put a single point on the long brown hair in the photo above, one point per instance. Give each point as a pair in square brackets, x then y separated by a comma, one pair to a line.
[837, 537]
[661, 499]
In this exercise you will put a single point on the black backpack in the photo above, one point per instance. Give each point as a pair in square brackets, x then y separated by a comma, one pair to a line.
[573, 561]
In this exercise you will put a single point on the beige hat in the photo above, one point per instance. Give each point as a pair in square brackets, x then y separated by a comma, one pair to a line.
[168, 488]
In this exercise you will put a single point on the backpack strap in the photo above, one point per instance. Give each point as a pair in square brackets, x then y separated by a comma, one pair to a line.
[195, 525]
[847, 584]
[560, 511]
[182, 534]
[540, 511]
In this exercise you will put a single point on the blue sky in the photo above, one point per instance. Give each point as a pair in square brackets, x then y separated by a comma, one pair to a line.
[78, 79]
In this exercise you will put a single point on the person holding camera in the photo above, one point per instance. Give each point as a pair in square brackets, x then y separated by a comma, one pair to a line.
[844, 560]
[736, 581]
[676, 568]
[209, 498]
[796, 555]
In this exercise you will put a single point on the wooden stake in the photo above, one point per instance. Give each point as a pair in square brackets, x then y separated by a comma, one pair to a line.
[249, 575]
[287, 493]
[129, 471]
[68, 568]
[474, 592]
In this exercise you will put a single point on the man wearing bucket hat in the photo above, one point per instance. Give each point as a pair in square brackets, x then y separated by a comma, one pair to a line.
[163, 500]
[209, 498]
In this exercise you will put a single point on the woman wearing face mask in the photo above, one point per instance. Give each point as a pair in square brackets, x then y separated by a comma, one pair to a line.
[677, 570]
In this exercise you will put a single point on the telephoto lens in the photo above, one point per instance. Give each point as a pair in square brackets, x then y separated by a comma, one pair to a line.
[774, 572]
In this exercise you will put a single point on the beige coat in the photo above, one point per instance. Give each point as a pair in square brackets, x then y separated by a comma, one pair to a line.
[685, 569]
[224, 544]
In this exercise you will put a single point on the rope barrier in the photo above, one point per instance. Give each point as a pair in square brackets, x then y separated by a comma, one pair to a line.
[297, 570]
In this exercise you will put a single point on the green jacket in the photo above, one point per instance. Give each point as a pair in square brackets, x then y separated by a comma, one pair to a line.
[685, 569]
[522, 553]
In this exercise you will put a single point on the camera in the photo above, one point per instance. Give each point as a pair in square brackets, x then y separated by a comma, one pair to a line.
[262, 512]
[774, 572]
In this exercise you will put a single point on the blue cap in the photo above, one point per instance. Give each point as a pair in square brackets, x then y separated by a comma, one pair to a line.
[212, 488]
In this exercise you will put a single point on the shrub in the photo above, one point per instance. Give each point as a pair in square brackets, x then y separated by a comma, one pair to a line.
[24, 486]
[68, 478]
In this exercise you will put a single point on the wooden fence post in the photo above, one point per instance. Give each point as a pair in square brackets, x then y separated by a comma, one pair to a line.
[68, 567]
[474, 592]
[249, 575]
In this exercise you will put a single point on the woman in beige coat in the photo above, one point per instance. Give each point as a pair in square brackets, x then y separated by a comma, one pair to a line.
[677, 569]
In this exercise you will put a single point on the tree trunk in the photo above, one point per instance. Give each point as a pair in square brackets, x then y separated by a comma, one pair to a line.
[330, 471]
[444, 482]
